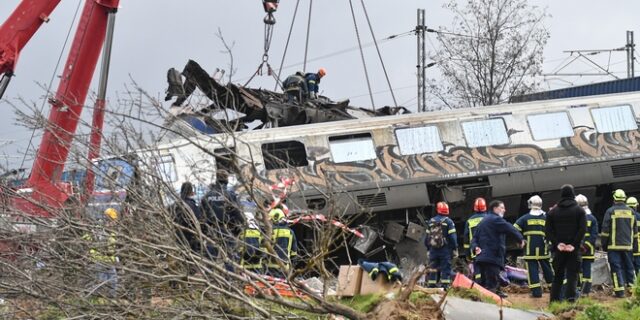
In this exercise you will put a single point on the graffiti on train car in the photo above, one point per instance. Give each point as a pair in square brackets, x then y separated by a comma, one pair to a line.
[589, 143]
[391, 166]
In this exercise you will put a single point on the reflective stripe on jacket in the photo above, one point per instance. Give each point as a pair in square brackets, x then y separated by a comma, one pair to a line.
[285, 244]
[532, 228]
[251, 257]
[618, 228]
[590, 238]
[469, 229]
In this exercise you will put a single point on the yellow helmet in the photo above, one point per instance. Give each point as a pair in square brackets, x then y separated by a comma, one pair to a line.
[632, 202]
[111, 213]
[619, 195]
[276, 215]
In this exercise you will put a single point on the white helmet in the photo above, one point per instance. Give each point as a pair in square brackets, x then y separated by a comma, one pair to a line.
[535, 203]
[582, 200]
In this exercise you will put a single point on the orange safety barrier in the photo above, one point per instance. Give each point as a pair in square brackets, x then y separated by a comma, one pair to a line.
[461, 281]
[281, 287]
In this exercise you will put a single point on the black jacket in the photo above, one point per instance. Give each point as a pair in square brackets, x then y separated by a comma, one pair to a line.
[566, 223]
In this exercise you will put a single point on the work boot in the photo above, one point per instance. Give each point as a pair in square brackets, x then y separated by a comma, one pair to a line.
[586, 288]
[501, 294]
[619, 294]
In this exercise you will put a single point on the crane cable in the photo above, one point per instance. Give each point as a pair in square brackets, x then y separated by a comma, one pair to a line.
[268, 35]
[306, 46]
[379, 54]
[286, 46]
[364, 64]
[53, 76]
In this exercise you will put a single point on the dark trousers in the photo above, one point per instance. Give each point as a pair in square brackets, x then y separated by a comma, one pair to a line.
[440, 259]
[585, 276]
[533, 269]
[489, 274]
[565, 265]
[636, 264]
[622, 272]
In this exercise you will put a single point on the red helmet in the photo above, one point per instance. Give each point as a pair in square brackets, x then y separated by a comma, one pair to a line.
[442, 208]
[480, 205]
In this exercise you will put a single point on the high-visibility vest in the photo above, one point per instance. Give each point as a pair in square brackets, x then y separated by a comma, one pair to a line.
[97, 251]
[251, 257]
[285, 245]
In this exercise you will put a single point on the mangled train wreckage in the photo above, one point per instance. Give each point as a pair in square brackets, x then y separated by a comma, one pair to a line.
[394, 168]
[267, 107]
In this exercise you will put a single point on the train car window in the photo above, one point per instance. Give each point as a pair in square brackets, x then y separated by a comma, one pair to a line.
[280, 155]
[167, 168]
[614, 119]
[353, 147]
[550, 125]
[419, 140]
[483, 133]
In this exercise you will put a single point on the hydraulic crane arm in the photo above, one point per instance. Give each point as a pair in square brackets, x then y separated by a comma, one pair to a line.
[43, 186]
[17, 30]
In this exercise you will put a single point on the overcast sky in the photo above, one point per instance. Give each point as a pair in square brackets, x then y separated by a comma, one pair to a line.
[154, 35]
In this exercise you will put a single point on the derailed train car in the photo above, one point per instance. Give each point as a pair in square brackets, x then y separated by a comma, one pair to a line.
[397, 167]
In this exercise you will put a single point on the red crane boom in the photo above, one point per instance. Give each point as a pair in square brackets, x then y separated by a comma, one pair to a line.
[43, 190]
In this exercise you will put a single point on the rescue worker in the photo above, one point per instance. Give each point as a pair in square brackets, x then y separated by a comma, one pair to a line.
[103, 251]
[442, 243]
[489, 245]
[536, 253]
[618, 233]
[588, 245]
[251, 238]
[313, 82]
[565, 228]
[479, 212]
[632, 202]
[285, 244]
[295, 86]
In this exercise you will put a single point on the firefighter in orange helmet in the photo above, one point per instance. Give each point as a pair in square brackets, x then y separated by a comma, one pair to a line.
[479, 212]
[442, 243]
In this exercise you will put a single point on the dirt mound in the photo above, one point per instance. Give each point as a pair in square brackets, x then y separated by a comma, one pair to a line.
[396, 310]
[516, 289]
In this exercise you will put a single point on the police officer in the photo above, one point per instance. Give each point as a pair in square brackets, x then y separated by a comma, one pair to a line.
[532, 226]
[588, 246]
[221, 208]
[489, 245]
[442, 244]
[632, 202]
[618, 233]
[295, 86]
[285, 244]
[479, 212]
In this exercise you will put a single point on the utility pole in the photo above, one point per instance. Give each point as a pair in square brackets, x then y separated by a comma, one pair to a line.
[422, 57]
[630, 52]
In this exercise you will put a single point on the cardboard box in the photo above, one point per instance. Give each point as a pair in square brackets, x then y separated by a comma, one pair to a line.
[349, 279]
[381, 285]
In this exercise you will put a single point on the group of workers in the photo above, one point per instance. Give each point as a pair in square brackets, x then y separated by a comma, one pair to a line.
[236, 234]
[302, 86]
[561, 244]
